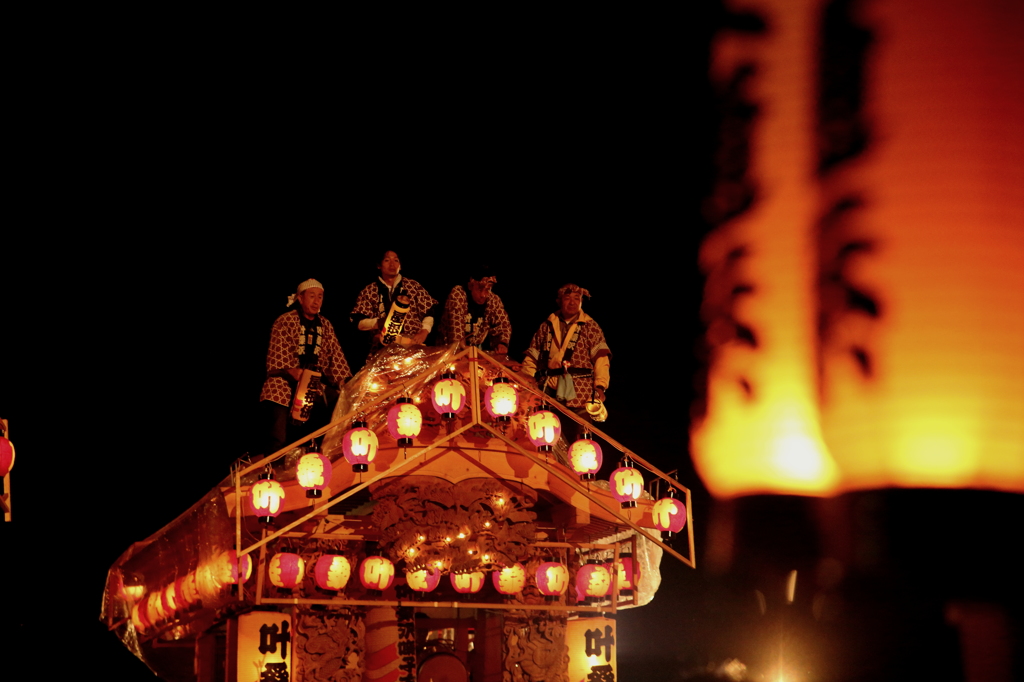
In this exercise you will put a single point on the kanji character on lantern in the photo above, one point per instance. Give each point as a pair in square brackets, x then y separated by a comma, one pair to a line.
[501, 399]
[627, 485]
[448, 396]
[467, 583]
[669, 515]
[423, 580]
[359, 446]
[585, 458]
[404, 421]
[266, 497]
[313, 473]
[544, 429]
[510, 579]
[376, 573]
[332, 572]
[286, 570]
[552, 578]
[593, 581]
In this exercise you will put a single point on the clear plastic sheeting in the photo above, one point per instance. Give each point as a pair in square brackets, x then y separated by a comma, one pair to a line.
[647, 560]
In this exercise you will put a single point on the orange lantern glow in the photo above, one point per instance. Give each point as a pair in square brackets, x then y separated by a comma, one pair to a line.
[286, 570]
[313, 472]
[669, 514]
[6, 456]
[510, 579]
[627, 485]
[423, 580]
[501, 399]
[467, 583]
[404, 421]
[231, 571]
[155, 611]
[624, 574]
[376, 573]
[186, 590]
[544, 429]
[359, 446]
[448, 396]
[140, 618]
[169, 600]
[129, 588]
[266, 497]
[593, 581]
[332, 571]
[552, 578]
[585, 457]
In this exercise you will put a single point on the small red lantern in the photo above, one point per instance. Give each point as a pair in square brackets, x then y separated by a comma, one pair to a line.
[286, 570]
[624, 574]
[501, 399]
[359, 446]
[627, 485]
[552, 578]
[332, 571]
[376, 573]
[423, 580]
[593, 581]
[313, 473]
[467, 583]
[544, 429]
[6, 456]
[585, 457]
[448, 396]
[228, 570]
[404, 421]
[669, 514]
[510, 579]
[266, 497]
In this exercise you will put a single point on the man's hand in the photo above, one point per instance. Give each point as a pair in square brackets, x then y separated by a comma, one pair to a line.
[421, 337]
[599, 393]
[501, 349]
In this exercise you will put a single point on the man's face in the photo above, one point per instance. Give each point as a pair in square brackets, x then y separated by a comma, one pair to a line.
[311, 300]
[390, 265]
[570, 304]
[479, 291]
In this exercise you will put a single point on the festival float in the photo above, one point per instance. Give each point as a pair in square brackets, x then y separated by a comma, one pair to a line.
[441, 526]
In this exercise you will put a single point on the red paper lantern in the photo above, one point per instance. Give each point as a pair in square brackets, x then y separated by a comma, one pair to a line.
[423, 580]
[510, 579]
[669, 515]
[544, 429]
[501, 399]
[154, 610]
[376, 573]
[313, 473]
[624, 574]
[129, 588]
[169, 600]
[332, 571]
[6, 456]
[448, 396]
[231, 571]
[585, 458]
[266, 497]
[593, 581]
[359, 446]
[627, 485]
[552, 578]
[139, 617]
[186, 591]
[404, 421]
[286, 570]
[467, 583]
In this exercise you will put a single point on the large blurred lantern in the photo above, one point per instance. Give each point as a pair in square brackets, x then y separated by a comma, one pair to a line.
[169, 600]
[313, 473]
[501, 399]
[6, 456]
[229, 570]
[359, 446]
[593, 581]
[510, 579]
[424, 579]
[286, 570]
[448, 396]
[332, 572]
[266, 497]
[624, 574]
[404, 421]
[467, 583]
[585, 458]
[140, 618]
[552, 578]
[669, 514]
[544, 429]
[627, 484]
[188, 590]
[376, 573]
[130, 587]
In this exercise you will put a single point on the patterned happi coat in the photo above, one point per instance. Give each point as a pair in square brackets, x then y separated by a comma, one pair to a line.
[370, 304]
[493, 328]
[547, 347]
[284, 352]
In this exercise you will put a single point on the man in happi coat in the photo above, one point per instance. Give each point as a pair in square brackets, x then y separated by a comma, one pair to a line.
[378, 309]
[475, 316]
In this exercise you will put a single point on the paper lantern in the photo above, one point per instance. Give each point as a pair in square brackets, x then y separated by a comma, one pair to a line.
[585, 458]
[169, 600]
[359, 446]
[544, 429]
[627, 485]
[6, 456]
[376, 573]
[139, 617]
[467, 583]
[313, 473]
[510, 579]
[423, 580]
[129, 588]
[332, 571]
[154, 609]
[187, 590]
[448, 396]
[624, 574]
[669, 515]
[552, 578]
[501, 399]
[266, 498]
[593, 581]
[286, 570]
[404, 421]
